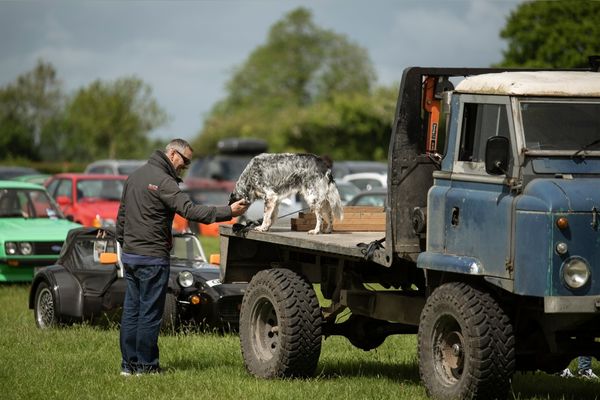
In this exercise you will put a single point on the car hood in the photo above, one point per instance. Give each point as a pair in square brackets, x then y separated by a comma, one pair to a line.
[561, 195]
[106, 209]
[203, 270]
[35, 229]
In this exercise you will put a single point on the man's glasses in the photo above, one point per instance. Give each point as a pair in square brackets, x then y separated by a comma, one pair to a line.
[186, 161]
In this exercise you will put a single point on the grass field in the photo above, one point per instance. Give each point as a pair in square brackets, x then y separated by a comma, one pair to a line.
[82, 362]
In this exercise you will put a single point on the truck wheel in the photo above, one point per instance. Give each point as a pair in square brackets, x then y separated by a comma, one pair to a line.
[45, 307]
[466, 345]
[280, 325]
[170, 320]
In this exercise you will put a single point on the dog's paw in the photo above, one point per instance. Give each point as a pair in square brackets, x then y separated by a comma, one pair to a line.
[314, 232]
[261, 228]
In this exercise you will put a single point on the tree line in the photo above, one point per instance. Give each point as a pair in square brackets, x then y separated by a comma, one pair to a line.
[305, 89]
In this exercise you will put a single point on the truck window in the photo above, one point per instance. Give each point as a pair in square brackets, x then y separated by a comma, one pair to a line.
[560, 125]
[480, 122]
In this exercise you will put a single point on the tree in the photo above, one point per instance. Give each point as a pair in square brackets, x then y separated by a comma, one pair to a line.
[299, 64]
[27, 107]
[555, 34]
[110, 120]
[305, 89]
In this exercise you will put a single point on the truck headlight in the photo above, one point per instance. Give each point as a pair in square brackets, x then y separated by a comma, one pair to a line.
[575, 272]
[185, 278]
[11, 248]
[26, 248]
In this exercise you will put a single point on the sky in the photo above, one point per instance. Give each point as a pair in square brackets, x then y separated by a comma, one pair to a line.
[186, 50]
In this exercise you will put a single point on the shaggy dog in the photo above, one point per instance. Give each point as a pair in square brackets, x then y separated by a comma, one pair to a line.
[274, 177]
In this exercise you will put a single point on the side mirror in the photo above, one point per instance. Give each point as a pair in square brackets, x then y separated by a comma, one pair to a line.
[63, 201]
[108, 258]
[497, 152]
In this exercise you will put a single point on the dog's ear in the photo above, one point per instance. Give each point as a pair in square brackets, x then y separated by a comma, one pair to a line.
[232, 198]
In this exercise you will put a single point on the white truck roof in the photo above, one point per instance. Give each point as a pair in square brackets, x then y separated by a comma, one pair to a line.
[534, 83]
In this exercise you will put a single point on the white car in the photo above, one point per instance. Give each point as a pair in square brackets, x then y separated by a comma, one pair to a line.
[288, 209]
[114, 167]
[367, 180]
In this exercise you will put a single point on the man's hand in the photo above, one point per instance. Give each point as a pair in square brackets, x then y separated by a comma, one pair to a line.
[239, 207]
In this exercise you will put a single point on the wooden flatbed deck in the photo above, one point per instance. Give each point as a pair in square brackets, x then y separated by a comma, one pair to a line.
[334, 244]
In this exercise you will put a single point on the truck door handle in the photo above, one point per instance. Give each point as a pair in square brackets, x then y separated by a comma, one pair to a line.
[455, 214]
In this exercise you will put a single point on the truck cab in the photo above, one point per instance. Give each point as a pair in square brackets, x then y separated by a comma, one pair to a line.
[518, 191]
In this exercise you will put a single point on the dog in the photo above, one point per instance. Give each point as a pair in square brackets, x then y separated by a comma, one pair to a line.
[275, 176]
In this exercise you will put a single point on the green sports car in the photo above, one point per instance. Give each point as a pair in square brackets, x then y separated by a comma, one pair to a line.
[32, 230]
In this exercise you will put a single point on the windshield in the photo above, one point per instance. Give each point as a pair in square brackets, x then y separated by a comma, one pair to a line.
[128, 169]
[186, 248]
[560, 126]
[27, 203]
[222, 167]
[99, 189]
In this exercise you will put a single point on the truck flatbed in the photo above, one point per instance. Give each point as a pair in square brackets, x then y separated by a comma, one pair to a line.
[344, 244]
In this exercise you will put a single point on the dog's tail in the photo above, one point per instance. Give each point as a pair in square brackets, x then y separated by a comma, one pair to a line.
[333, 197]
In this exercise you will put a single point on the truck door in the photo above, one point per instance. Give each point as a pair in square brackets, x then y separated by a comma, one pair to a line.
[478, 216]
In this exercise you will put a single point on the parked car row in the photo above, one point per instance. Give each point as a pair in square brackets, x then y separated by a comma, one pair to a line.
[86, 284]
[92, 199]
[81, 278]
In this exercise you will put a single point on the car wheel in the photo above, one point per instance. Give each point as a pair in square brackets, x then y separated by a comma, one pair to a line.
[280, 325]
[45, 307]
[170, 320]
[465, 344]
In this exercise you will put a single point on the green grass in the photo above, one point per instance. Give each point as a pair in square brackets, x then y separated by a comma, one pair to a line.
[210, 244]
[82, 362]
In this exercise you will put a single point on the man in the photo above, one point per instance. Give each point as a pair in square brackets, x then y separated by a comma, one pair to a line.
[150, 199]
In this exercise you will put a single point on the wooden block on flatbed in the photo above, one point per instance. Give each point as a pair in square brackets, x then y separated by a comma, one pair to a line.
[356, 218]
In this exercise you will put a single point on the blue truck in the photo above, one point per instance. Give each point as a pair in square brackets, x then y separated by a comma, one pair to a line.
[491, 253]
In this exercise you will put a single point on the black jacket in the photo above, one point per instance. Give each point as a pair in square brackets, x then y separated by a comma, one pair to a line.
[151, 197]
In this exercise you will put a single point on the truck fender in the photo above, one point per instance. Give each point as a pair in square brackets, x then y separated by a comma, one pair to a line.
[450, 263]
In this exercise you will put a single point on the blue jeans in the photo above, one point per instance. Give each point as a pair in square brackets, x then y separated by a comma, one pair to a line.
[584, 362]
[142, 316]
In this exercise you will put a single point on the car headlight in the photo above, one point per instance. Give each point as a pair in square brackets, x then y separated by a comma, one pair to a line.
[576, 272]
[11, 248]
[26, 248]
[185, 278]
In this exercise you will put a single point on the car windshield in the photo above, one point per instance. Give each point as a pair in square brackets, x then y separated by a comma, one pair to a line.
[209, 197]
[370, 200]
[27, 203]
[99, 189]
[222, 167]
[347, 191]
[128, 169]
[561, 125]
[186, 248]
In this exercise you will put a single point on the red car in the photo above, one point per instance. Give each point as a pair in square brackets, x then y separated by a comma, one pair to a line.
[89, 199]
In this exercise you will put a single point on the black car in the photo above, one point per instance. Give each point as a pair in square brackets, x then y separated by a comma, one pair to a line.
[87, 283]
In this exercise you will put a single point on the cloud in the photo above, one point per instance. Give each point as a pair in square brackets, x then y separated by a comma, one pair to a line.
[186, 50]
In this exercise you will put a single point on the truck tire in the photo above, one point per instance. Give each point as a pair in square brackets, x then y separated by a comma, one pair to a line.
[170, 320]
[466, 345]
[280, 325]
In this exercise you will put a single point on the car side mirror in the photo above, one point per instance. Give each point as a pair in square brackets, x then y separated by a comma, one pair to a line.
[497, 152]
[108, 258]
